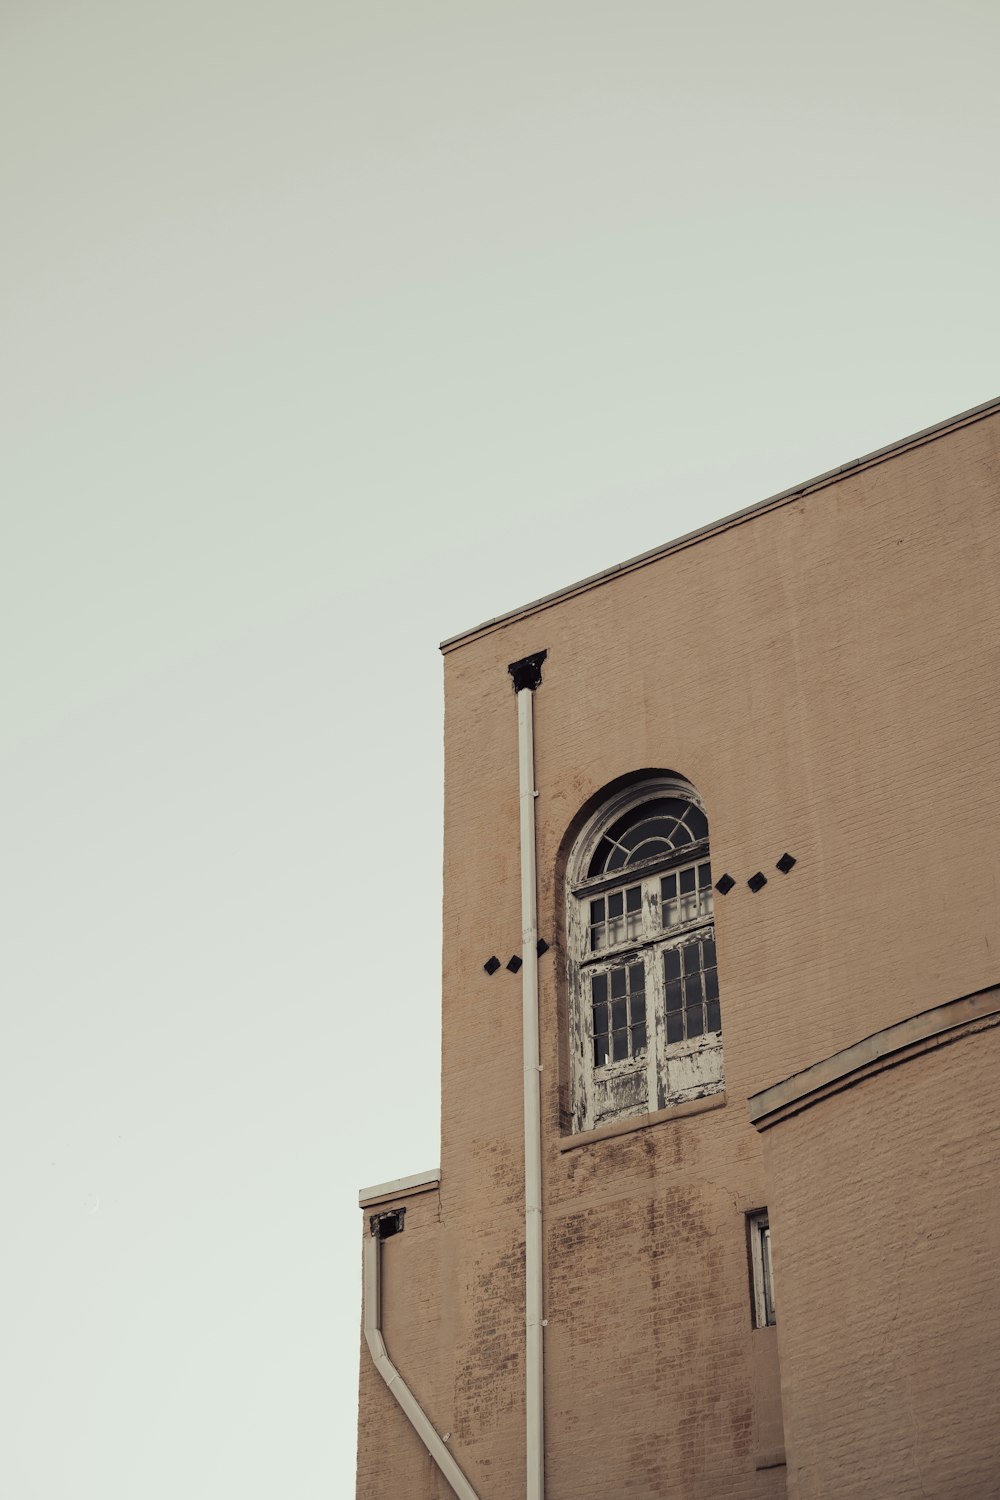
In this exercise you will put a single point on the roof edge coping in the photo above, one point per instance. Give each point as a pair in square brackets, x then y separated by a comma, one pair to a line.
[819, 481]
[400, 1187]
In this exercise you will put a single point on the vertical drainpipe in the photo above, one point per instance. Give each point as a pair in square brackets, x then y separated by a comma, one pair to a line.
[527, 675]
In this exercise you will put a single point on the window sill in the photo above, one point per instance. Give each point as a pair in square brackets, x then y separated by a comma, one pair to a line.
[641, 1122]
[773, 1460]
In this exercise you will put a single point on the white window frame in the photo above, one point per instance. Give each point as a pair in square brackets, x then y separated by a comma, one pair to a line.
[762, 1269]
[670, 1073]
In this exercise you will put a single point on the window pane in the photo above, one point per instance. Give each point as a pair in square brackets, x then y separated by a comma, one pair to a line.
[692, 975]
[638, 1040]
[672, 963]
[708, 949]
[668, 899]
[638, 1008]
[600, 1018]
[714, 1016]
[617, 982]
[636, 978]
[695, 1021]
[619, 1048]
[619, 1013]
[704, 875]
[673, 994]
[633, 898]
[650, 828]
[616, 904]
[599, 986]
[697, 822]
[687, 881]
[600, 1049]
[675, 1026]
[597, 925]
[600, 859]
[711, 984]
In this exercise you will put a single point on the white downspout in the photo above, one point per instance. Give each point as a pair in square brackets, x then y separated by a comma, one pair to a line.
[397, 1385]
[525, 682]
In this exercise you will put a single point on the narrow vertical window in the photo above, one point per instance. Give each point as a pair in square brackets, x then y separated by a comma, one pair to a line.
[762, 1274]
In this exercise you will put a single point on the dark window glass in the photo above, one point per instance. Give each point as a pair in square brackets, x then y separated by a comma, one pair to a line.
[600, 1049]
[692, 957]
[599, 986]
[650, 828]
[619, 1045]
[692, 975]
[672, 963]
[617, 982]
[695, 1021]
[638, 1040]
[687, 880]
[697, 822]
[619, 1013]
[711, 984]
[675, 1026]
[638, 1007]
[714, 1016]
[633, 898]
[649, 849]
[616, 904]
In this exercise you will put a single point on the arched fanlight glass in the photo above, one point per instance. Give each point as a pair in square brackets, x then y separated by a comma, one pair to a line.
[653, 830]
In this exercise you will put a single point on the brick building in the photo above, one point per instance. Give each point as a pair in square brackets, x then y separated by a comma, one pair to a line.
[766, 831]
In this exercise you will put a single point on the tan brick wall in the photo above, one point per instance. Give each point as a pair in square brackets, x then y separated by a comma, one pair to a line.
[824, 674]
[886, 1226]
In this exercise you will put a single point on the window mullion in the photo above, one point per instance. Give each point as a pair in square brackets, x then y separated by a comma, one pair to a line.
[656, 1004]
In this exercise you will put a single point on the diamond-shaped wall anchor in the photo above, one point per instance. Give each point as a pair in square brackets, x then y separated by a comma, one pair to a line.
[757, 882]
[785, 863]
[514, 964]
[724, 884]
[542, 947]
[491, 965]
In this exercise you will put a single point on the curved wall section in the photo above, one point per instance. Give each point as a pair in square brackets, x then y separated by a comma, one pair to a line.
[885, 1223]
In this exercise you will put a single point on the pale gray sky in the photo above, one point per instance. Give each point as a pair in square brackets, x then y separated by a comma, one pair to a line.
[329, 330]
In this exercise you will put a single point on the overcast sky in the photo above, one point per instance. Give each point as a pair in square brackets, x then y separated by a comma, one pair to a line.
[329, 330]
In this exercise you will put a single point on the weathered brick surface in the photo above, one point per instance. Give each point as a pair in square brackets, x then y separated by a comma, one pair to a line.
[824, 673]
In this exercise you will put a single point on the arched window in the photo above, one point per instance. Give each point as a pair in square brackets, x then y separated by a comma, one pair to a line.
[646, 1026]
